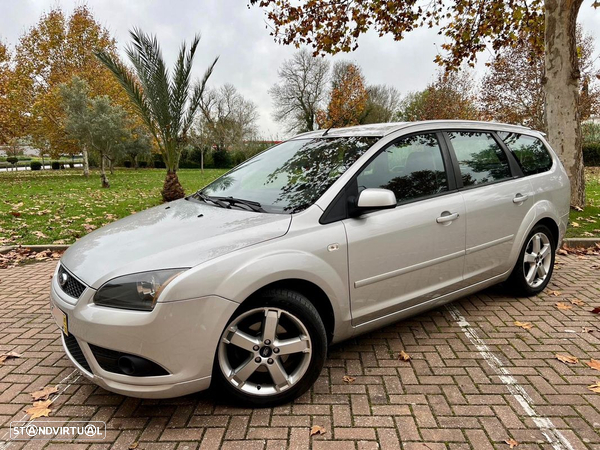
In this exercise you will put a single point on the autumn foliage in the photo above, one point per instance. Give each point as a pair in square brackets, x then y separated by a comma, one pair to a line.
[57, 48]
[348, 100]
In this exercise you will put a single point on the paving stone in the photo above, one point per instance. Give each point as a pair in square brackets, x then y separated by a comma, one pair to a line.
[447, 397]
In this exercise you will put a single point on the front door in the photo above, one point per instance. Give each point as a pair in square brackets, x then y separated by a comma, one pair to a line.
[415, 252]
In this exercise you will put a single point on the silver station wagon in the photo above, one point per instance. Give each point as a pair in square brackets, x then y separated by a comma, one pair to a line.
[245, 283]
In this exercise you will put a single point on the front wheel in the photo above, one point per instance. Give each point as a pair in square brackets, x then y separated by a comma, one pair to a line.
[535, 265]
[272, 350]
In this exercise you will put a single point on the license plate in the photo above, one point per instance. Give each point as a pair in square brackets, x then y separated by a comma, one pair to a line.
[60, 318]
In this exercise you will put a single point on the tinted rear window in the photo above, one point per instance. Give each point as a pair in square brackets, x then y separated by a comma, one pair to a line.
[530, 152]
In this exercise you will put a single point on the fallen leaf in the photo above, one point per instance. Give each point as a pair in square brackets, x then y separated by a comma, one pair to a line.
[574, 224]
[567, 359]
[593, 363]
[561, 305]
[578, 208]
[9, 355]
[403, 356]
[524, 325]
[15, 213]
[511, 443]
[562, 252]
[588, 330]
[595, 387]
[555, 293]
[43, 394]
[39, 409]
[596, 310]
[317, 429]
[577, 302]
[133, 445]
[349, 379]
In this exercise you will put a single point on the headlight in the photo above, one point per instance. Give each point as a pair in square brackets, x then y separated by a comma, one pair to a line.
[138, 291]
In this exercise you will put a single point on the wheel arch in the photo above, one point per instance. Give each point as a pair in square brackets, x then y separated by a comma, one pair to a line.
[314, 294]
[551, 224]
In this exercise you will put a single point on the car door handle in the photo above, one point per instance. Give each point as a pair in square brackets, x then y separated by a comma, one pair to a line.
[520, 198]
[447, 217]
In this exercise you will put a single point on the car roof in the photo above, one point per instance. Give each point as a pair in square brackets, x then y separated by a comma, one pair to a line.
[383, 129]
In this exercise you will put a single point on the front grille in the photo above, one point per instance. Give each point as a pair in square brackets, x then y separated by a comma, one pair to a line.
[72, 287]
[75, 351]
[107, 359]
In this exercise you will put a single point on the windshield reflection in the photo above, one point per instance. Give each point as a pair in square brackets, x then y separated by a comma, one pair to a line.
[290, 177]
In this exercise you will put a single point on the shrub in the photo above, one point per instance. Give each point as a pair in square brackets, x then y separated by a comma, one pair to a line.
[35, 165]
[590, 132]
[591, 154]
[12, 160]
[158, 161]
[187, 164]
[127, 164]
[143, 164]
[55, 165]
[222, 159]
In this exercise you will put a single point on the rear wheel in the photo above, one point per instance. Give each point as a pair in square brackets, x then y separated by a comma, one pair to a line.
[535, 265]
[272, 351]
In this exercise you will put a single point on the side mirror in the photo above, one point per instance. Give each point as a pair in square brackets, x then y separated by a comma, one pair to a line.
[373, 200]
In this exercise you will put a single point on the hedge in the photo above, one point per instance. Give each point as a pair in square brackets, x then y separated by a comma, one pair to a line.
[591, 154]
[35, 165]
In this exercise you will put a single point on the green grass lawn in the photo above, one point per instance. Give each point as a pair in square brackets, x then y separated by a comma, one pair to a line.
[586, 223]
[49, 206]
[58, 207]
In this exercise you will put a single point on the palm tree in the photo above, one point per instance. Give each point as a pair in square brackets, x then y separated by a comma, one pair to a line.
[166, 103]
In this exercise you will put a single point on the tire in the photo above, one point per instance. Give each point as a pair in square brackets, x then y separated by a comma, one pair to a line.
[525, 283]
[259, 367]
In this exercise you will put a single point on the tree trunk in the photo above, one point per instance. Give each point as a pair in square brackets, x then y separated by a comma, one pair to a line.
[111, 163]
[202, 160]
[86, 163]
[172, 189]
[135, 162]
[103, 178]
[561, 82]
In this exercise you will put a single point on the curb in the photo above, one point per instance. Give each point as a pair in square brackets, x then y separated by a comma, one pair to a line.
[580, 242]
[37, 248]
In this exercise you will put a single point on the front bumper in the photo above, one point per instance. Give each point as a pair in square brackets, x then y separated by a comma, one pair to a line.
[180, 336]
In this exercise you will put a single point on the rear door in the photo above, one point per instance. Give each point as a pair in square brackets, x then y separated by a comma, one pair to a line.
[413, 253]
[497, 199]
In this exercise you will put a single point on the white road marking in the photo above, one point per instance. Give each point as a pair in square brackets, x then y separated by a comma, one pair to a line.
[5, 444]
[554, 437]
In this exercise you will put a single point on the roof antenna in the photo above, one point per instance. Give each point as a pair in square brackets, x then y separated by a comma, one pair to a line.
[325, 134]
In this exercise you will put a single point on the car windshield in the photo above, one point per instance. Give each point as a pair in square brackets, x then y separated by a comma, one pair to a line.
[291, 176]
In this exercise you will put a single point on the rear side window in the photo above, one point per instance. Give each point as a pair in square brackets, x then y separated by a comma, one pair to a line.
[530, 152]
[480, 157]
[412, 168]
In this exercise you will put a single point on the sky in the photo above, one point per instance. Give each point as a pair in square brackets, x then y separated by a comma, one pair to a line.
[249, 58]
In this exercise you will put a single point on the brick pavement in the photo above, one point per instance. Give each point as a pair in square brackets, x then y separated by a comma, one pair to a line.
[459, 391]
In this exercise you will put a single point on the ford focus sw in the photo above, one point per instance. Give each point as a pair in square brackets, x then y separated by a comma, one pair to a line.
[330, 234]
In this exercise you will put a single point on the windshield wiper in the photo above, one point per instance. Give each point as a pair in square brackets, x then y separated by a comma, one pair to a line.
[213, 200]
[254, 206]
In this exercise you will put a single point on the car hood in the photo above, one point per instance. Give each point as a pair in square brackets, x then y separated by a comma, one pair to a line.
[183, 233]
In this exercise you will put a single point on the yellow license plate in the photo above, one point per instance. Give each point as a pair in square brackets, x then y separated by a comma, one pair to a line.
[60, 318]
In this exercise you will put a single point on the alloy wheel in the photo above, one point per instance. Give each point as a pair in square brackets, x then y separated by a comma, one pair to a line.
[537, 259]
[264, 351]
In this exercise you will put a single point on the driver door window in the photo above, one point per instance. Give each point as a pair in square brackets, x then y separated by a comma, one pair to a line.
[412, 168]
